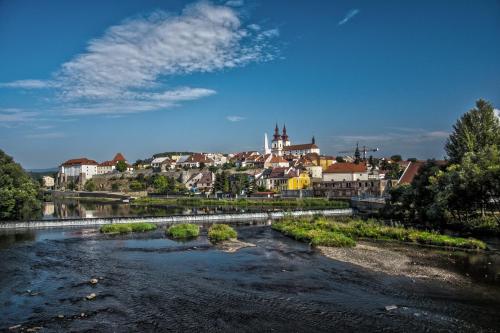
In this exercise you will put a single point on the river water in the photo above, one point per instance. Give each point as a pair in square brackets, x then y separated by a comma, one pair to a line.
[74, 208]
[148, 282]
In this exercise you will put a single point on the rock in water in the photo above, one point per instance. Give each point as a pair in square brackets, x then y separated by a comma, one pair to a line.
[91, 296]
[93, 281]
[391, 307]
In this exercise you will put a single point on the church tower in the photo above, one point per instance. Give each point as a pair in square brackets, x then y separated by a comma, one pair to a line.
[284, 137]
[277, 144]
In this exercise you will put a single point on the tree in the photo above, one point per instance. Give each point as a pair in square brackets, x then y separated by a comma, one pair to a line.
[136, 185]
[340, 159]
[160, 183]
[90, 185]
[396, 158]
[475, 130]
[121, 166]
[115, 187]
[19, 193]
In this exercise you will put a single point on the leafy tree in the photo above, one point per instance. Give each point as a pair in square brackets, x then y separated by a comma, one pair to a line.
[221, 183]
[475, 130]
[213, 168]
[115, 187]
[340, 159]
[136, 185]
[202, 166]
[19, 193]
[121, 166]
[90, 185]
[160, 183]
[396, 158]
[71, 186]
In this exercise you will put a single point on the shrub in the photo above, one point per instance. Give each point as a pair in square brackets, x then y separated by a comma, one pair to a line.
[221, 232]
[183, 231]
[123, 228]
[136, 186]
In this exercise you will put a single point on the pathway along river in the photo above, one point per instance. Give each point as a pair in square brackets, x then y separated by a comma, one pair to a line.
[148, 282]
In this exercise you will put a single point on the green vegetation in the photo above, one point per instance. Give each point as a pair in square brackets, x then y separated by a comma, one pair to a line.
[124, 228]
[19, 193]
[301, 203]
[136, 185]
[329, 232]
[185, 230]
[221, 232]
[465, 192]
[90, 185]
[121, 166]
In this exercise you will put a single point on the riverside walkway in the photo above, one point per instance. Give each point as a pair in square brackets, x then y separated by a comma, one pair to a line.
[201, 218]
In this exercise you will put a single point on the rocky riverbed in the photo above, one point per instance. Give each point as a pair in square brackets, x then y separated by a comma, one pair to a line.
[263, 282]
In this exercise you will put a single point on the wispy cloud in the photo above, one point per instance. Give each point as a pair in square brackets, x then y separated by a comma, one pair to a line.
[395, 134]
[127, 69]
[48, 135]
[12, 115]
[235, 118]
[28, 84]
[350, 14]
[234, 3]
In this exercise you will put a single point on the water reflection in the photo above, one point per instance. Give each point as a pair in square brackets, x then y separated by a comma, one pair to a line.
[74, 208]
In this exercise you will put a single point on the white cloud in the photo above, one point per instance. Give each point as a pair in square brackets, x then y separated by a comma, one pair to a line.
[235, 118]
[27, 84]
[350, 14]
[126, 70]
[396, 134]
[497, 112]
[12, 115]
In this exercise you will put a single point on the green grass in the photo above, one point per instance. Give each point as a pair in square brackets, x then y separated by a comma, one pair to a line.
[301, 203]
[182, 231]
[330, 232]
[124, 228]
[221, 232]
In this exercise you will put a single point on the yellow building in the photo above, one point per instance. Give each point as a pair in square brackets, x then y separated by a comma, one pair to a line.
[303, 181]
[326, 161]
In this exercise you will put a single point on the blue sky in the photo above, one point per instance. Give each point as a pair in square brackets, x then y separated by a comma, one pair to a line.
[91, 78]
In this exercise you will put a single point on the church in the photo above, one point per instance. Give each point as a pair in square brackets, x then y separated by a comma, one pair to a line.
[282, 146]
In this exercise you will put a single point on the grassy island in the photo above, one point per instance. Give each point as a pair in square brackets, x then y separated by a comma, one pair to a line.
[330, 232]
[183, 231]
[221, 232]
[243, 202]
[124, 228]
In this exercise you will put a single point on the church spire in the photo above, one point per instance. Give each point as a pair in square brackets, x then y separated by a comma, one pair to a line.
[284, 136]
[276, 135]
[313, 141]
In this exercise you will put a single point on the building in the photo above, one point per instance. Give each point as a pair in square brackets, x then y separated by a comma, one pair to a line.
[201, 182]
[163, 164]
[300, 182]
[281, 145]
[48, 182]
[351, 188]
[110, 166]
[276, 162]
[79, 166]
[195, 161]
[345, 172]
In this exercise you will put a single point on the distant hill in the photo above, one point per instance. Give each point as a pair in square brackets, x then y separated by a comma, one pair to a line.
[48, 170]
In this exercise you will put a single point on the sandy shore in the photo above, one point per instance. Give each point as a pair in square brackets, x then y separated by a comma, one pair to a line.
[403, 261]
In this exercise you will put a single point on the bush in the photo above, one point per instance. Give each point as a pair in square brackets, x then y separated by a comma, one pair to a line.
[115, 187]
[90, 185]
[186, 230]
[124, 228]
[221, 232]
[136, 186]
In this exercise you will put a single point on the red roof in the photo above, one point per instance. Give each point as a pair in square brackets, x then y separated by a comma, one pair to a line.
[278, 159]
[346, 168]
[79, 161]
[119, 157]
[107, 163]
[300, 147]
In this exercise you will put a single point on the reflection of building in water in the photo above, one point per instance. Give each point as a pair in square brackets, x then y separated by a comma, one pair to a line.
[48, 209]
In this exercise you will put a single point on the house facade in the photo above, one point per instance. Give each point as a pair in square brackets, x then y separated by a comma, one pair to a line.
[345, 172]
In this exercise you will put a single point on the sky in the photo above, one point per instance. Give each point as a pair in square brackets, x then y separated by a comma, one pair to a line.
[92, 78]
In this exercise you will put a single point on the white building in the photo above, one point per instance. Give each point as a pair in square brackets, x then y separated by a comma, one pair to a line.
[48, 181]
[281, 145]
[345, 172]
[78, 166]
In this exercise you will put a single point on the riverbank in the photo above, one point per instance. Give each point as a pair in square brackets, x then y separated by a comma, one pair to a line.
[243, 202]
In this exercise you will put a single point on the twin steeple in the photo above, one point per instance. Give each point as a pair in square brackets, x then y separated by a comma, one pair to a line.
[277, 136]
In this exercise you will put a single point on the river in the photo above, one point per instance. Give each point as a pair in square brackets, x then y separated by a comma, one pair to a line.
[148, 282]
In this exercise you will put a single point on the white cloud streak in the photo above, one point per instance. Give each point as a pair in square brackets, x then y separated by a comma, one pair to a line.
[12, 115]
[49, 135]
[126, 70]
[350, 14]
[27, 84]
[234, 119]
